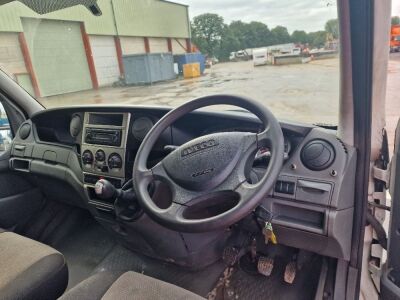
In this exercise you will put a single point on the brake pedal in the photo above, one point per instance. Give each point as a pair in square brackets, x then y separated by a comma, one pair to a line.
[290, 272]
[265, 265]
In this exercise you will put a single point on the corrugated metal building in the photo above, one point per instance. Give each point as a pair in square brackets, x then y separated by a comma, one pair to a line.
[72, 50]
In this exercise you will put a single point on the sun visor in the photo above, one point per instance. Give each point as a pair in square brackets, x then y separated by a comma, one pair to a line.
[47, 6]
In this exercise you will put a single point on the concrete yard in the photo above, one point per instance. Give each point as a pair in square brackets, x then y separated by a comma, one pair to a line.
[307, 92]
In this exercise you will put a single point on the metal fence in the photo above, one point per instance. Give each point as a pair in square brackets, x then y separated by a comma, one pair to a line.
[148, 68]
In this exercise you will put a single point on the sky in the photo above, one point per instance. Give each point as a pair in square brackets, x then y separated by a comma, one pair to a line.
[395, 7]
[308, 15]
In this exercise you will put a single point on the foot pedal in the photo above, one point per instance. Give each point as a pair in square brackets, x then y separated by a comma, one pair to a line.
[265, 265]
[230, 255]
[290, 272]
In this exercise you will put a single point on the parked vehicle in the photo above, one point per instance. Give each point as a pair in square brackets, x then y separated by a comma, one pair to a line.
[281, 48]
[240, 55]
[296, 51]
[260, 57]
[395, 38]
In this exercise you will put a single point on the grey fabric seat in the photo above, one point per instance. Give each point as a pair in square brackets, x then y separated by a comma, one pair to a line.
[29, 269]
[128, 286]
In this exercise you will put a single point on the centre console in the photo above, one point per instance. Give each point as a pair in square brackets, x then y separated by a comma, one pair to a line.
[104, 141]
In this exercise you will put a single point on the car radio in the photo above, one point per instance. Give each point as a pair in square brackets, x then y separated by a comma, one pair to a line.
[104, 139]
[107, 137]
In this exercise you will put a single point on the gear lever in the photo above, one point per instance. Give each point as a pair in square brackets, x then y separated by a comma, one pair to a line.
[106, 190]
[125, 204]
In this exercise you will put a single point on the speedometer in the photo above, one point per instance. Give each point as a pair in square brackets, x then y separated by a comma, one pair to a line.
[264, 152]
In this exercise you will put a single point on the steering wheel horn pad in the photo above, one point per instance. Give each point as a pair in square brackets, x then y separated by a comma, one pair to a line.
[214, 164]
[205, 162]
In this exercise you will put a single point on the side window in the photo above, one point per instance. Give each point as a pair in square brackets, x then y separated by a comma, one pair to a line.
[5, 130]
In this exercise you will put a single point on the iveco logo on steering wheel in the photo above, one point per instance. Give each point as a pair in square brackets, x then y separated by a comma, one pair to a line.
[199, 147]
[206, 171]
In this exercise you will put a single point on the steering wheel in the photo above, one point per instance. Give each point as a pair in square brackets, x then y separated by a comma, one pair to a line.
[209, 172]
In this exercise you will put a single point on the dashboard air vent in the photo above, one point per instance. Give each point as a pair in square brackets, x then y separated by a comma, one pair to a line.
[25, 131]
[75, 126]
[317, 155]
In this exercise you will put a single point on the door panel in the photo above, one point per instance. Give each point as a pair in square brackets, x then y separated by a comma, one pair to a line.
[390, 280]
[105, 59]
[19, 198]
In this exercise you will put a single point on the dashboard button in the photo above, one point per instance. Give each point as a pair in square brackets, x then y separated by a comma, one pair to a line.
[100, 155]
[115, 161]
[87, 157]
[284, 187]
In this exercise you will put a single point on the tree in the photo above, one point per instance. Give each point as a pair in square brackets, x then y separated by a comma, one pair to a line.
[280, 35]
[258, 35]
[317, 39]
[332, 28]
[214, 38]
[300, 36]
[207, 30]
[396, 20]
[251, 35]
[229, 43]
[239, 30]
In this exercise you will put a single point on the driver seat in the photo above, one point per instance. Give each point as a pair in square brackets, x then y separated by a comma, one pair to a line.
[128, 286]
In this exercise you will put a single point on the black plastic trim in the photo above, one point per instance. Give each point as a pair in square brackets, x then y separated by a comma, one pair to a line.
[361, 28]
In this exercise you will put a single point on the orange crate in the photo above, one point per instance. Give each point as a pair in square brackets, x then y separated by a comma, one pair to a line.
[191, 70]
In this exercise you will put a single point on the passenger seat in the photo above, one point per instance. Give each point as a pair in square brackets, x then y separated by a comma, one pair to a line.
[29, 269]
[128, 286]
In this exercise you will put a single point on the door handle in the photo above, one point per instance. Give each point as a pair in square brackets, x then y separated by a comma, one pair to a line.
[19, 147]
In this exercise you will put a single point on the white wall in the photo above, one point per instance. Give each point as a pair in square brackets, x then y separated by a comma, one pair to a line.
[158, 45]
[132, 45]
[11, 58]
[177, 46]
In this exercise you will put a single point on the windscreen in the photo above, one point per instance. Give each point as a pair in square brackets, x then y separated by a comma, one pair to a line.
[284, 54]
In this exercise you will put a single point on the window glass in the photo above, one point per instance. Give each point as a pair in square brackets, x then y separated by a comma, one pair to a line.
[5, 131]
[284, 54]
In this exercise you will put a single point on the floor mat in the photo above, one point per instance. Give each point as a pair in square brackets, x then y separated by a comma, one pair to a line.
[241, 285]
[88, 248]
[83, 249]
[200, 282]
[72, 231]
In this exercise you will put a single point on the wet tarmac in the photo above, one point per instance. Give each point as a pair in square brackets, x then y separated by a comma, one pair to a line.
[305, 92]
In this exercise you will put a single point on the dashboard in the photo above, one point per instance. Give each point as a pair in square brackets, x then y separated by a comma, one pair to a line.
[312, 201]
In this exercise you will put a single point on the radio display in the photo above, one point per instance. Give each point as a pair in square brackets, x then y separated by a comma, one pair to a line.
[109, 137]
[106, 119]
